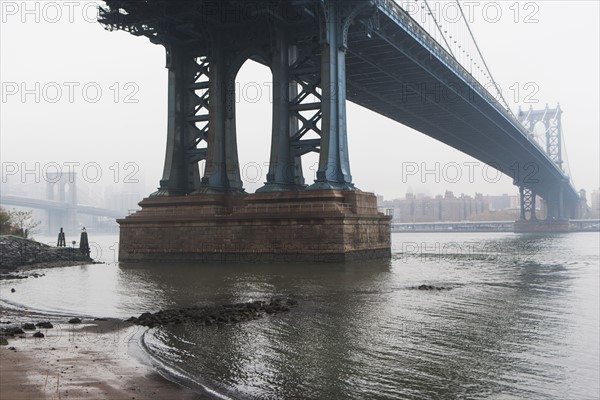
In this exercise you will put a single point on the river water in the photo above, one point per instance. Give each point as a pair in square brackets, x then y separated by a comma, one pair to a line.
[521, 320]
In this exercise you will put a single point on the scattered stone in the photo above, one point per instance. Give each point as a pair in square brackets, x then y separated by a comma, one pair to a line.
[38, 334]
[7, 276]
[12, 331]
[430, 287]
[75, 320]
[44, 325]
[13, 348]
[3, 341]
[29, 327]
[100, 319]
[219, 315]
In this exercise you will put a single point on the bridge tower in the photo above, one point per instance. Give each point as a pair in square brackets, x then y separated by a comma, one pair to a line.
[557, 210]
[62, 187]
[551, 120]
[207, 214]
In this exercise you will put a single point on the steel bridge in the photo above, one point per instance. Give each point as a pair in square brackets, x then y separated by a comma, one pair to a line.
[61, 203]
[322, 53]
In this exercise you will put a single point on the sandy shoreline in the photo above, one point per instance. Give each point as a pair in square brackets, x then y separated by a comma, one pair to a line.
[92, 360]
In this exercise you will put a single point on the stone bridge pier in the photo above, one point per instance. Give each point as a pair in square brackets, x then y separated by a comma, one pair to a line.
[62, 187]
[206, 214]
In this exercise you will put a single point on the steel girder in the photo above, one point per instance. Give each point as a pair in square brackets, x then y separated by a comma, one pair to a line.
[527, 201]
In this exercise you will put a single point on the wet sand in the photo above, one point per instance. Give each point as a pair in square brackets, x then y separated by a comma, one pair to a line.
[83, 361]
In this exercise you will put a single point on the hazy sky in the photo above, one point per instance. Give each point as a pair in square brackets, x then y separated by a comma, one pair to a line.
[64, 59]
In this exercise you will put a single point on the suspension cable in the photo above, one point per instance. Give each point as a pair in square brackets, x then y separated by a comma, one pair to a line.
[481, 56]
[438, 26]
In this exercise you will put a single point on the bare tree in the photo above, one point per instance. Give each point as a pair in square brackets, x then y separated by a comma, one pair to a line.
[24, 222]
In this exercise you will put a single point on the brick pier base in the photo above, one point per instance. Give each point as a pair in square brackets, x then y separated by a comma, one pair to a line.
[321, 226]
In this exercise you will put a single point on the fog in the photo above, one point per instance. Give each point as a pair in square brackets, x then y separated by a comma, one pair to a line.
[77, 96]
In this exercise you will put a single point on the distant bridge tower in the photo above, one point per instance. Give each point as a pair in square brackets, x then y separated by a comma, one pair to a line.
[62, 187]
[551, 118]
[554, 204]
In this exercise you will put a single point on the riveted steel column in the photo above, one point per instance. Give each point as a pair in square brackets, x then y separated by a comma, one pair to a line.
[561, 203]
[334, 163]
[282, 168]
[221, 173]
[533, 216]
[550, 207]
[527, 198]
[522, 203]
[177, 170]
[232, 164]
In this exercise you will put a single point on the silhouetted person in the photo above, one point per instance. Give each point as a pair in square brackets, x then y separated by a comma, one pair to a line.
[61, 239]
[84, 246]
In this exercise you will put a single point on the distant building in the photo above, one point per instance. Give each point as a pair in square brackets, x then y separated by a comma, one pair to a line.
[422, 208]
[595, 203]
[503, 202]
[122, 198]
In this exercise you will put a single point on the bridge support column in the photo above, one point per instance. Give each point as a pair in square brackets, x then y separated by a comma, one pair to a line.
[285, 168]
[527, 202]
[222, 172]
[334, 162]
[528, 222]
[201, 108]
[180, 174]
[558, 207]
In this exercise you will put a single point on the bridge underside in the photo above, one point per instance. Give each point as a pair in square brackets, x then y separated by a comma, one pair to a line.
[320, 52]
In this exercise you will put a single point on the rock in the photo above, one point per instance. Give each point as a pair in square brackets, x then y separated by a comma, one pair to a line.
[38, 334]
[102, 319]
[219, 314]
[75, 320]
[29, 327]
[268, 309]
[13, 330]
[12, 290]
[44, 325]
[3, 341]
[431, 287]
[12, 348]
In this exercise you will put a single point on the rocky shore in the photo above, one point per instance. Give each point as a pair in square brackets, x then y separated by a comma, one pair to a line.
[84, 358]
[16, 252]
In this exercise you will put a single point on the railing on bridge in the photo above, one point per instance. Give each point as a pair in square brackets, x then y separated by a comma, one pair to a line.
[403, 18]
